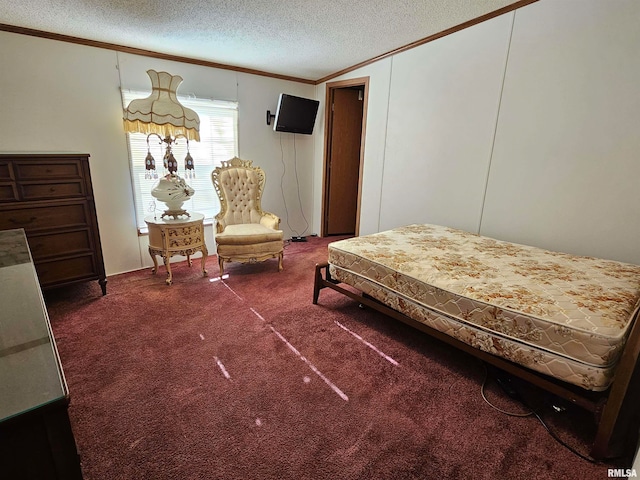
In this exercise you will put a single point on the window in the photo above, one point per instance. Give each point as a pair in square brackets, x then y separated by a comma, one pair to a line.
[218, 142]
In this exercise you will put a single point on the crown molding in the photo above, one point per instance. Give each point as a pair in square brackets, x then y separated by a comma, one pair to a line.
[147, 53]
[223, 66]
[430, 38]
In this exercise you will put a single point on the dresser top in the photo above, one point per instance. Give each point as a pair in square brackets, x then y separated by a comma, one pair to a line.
[13, 248]
[22, 155]
[30, 371]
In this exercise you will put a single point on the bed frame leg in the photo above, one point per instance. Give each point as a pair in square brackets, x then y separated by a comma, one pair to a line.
[318, 282]
[622, 396]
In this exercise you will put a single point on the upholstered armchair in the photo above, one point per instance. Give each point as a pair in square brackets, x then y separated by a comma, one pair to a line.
[244, 233]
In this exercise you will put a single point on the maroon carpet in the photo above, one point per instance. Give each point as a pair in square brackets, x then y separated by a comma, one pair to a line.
[246, 379]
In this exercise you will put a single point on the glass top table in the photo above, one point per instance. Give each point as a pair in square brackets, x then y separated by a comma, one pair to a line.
[31, 375]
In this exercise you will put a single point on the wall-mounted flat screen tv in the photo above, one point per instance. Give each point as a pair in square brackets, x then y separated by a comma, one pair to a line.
[295, 114]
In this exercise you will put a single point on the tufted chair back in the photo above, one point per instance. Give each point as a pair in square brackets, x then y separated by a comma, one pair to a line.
[239, 186]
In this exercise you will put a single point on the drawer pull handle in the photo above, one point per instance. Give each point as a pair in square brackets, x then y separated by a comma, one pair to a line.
[52, 189]
[18, 222]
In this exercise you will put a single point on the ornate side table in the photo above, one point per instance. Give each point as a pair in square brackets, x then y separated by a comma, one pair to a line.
[169, 237]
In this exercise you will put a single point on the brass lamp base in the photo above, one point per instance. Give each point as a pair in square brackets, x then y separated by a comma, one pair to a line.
[175, 214]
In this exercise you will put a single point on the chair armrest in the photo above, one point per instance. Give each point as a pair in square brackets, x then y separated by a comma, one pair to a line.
[220, 224]
[270, 220]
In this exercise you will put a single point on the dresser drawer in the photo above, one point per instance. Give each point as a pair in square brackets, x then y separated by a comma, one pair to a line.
[52, 190]
[179, 238]
[5, 171]
[8, 192]
[46, 216]
[60, 243]
[68, 168]
[66, 270]
[175, 237]
[187, 231]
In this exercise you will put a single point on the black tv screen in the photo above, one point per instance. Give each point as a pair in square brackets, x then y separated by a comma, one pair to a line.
[295, 114]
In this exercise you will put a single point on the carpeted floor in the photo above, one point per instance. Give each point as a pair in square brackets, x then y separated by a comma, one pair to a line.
[245, 379]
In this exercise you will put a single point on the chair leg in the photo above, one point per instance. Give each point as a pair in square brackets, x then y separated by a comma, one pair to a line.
[221, 265]
[280, 261]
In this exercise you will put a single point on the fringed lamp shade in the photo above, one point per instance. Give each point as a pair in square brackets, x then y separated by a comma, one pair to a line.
[162, 115]
[161, 112]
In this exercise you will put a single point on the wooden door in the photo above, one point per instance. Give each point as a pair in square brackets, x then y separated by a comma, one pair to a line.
[343, 162]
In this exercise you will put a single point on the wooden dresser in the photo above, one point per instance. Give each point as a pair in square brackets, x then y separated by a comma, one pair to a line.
[51, 197]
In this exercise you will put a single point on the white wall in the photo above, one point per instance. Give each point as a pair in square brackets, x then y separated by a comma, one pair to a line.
[61, 97]
[443, 104]
[566, 163]
[524, 128]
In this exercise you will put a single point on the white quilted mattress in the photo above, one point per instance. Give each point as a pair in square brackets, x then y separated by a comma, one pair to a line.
[562, 315]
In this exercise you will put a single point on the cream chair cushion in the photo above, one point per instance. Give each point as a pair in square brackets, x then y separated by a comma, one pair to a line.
[247, 234]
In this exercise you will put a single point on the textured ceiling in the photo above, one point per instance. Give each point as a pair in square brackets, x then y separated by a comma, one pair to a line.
[299, 38]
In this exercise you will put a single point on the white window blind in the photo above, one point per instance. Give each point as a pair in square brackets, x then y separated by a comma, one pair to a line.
[218, 142]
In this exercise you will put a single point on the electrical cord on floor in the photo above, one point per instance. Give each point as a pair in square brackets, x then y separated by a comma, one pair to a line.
[561, 442]
[284, 200]
[295, 168]
[284, 171]
[513, 393]
[484, 396]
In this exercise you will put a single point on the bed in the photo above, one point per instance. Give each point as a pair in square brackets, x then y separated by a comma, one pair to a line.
[562, 322]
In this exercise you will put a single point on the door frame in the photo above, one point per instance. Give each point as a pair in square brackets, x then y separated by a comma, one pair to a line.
[328, 121]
